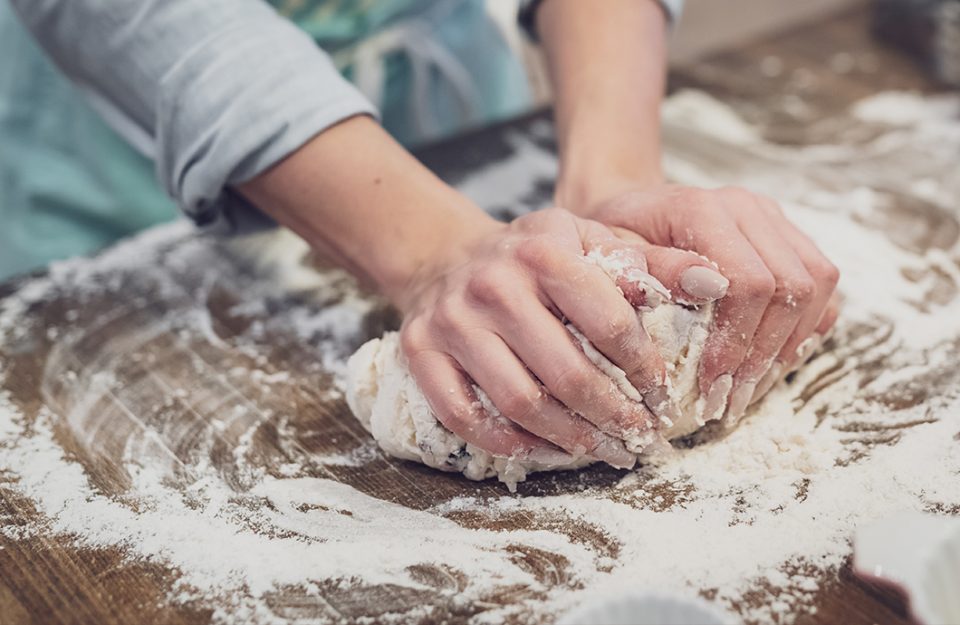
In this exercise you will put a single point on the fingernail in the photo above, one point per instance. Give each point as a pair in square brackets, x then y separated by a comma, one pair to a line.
[739, 400]
[660, 404]
[703, 283]
[717, 398]
[767, 381]
[548, 457]
[805, 350]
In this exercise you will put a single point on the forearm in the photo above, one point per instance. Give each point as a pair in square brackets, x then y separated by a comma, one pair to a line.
[608, 71]
[362, 201]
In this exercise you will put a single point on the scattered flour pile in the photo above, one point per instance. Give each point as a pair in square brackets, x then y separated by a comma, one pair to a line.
[757, 521]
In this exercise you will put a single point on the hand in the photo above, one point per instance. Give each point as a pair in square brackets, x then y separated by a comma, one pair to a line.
[780, 302]
[490, 312]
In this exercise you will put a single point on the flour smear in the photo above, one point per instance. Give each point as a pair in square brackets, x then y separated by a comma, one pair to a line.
[757, 519]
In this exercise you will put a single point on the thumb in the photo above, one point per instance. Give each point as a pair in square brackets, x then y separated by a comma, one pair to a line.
[691, 278]
[624, 263]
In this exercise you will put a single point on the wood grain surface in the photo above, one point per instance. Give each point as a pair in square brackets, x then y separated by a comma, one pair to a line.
[52, 580]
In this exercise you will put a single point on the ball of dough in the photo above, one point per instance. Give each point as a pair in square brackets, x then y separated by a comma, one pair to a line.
[387, 401]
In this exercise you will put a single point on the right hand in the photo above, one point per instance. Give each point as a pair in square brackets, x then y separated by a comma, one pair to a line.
[489, 313]
[780, 302]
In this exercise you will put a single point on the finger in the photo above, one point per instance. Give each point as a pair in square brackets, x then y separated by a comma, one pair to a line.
[693, 279]
[623, 263]
[811, 344]
[584, 294]
[451, 398]
[829, 318]
[613, 337]
[542, 343]
[737, 316]
[615, 340]
[825, 276]
[792, 297]
[518, 397]
[823, 330]
[690, 278]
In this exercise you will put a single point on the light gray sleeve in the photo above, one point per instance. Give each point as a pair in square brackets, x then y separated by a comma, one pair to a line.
[215, 91]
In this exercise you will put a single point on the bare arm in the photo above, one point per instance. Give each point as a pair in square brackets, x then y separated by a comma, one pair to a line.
[607, 68]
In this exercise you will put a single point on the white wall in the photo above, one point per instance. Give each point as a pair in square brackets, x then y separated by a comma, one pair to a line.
[709, 26]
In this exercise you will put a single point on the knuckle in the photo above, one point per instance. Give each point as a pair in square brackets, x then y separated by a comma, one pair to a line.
[690, 198]
[447, 315]
[413, 337]
[759, 286]
[519, 405]
[544, 219]
[827, 272]
[573, 382]
[552, 213]
[644, 376]
[771, 205]
[569, 381]
[796, 290]
[488, 287]
[629, 417]
[537, 253]
[763, 198]
[738, 195]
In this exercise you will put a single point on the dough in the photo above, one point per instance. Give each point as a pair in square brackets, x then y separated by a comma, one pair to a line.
[386, 400]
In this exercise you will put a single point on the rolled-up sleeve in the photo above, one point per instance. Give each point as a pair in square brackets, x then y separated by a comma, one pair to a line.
[215, 91]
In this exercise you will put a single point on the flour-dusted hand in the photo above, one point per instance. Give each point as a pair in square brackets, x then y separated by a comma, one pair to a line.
[492, 314]
[779, 303]
[608, 131]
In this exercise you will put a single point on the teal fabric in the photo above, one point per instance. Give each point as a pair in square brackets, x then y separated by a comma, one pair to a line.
[69, 185]
[499, 82]
[462, 28]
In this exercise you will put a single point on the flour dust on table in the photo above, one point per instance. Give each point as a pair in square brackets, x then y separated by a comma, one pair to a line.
[179, 402]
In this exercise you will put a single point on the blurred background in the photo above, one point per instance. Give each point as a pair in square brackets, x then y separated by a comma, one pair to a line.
[928, 30]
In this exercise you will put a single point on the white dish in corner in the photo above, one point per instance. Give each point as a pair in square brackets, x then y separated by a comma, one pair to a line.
[645, 609]
[919, 553]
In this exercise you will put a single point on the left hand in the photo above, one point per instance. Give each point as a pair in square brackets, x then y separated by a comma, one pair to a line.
[780, 301]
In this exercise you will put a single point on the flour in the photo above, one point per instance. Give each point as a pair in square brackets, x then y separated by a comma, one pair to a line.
[757, 519]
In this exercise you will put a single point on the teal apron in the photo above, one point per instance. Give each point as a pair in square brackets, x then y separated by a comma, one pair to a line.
[69, 185]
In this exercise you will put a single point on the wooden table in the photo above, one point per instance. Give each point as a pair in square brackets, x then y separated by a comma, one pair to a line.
[49, 579]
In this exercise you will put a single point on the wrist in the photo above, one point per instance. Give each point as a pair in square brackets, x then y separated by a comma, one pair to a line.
[437, 252]
[582, 191]
[605, 149]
